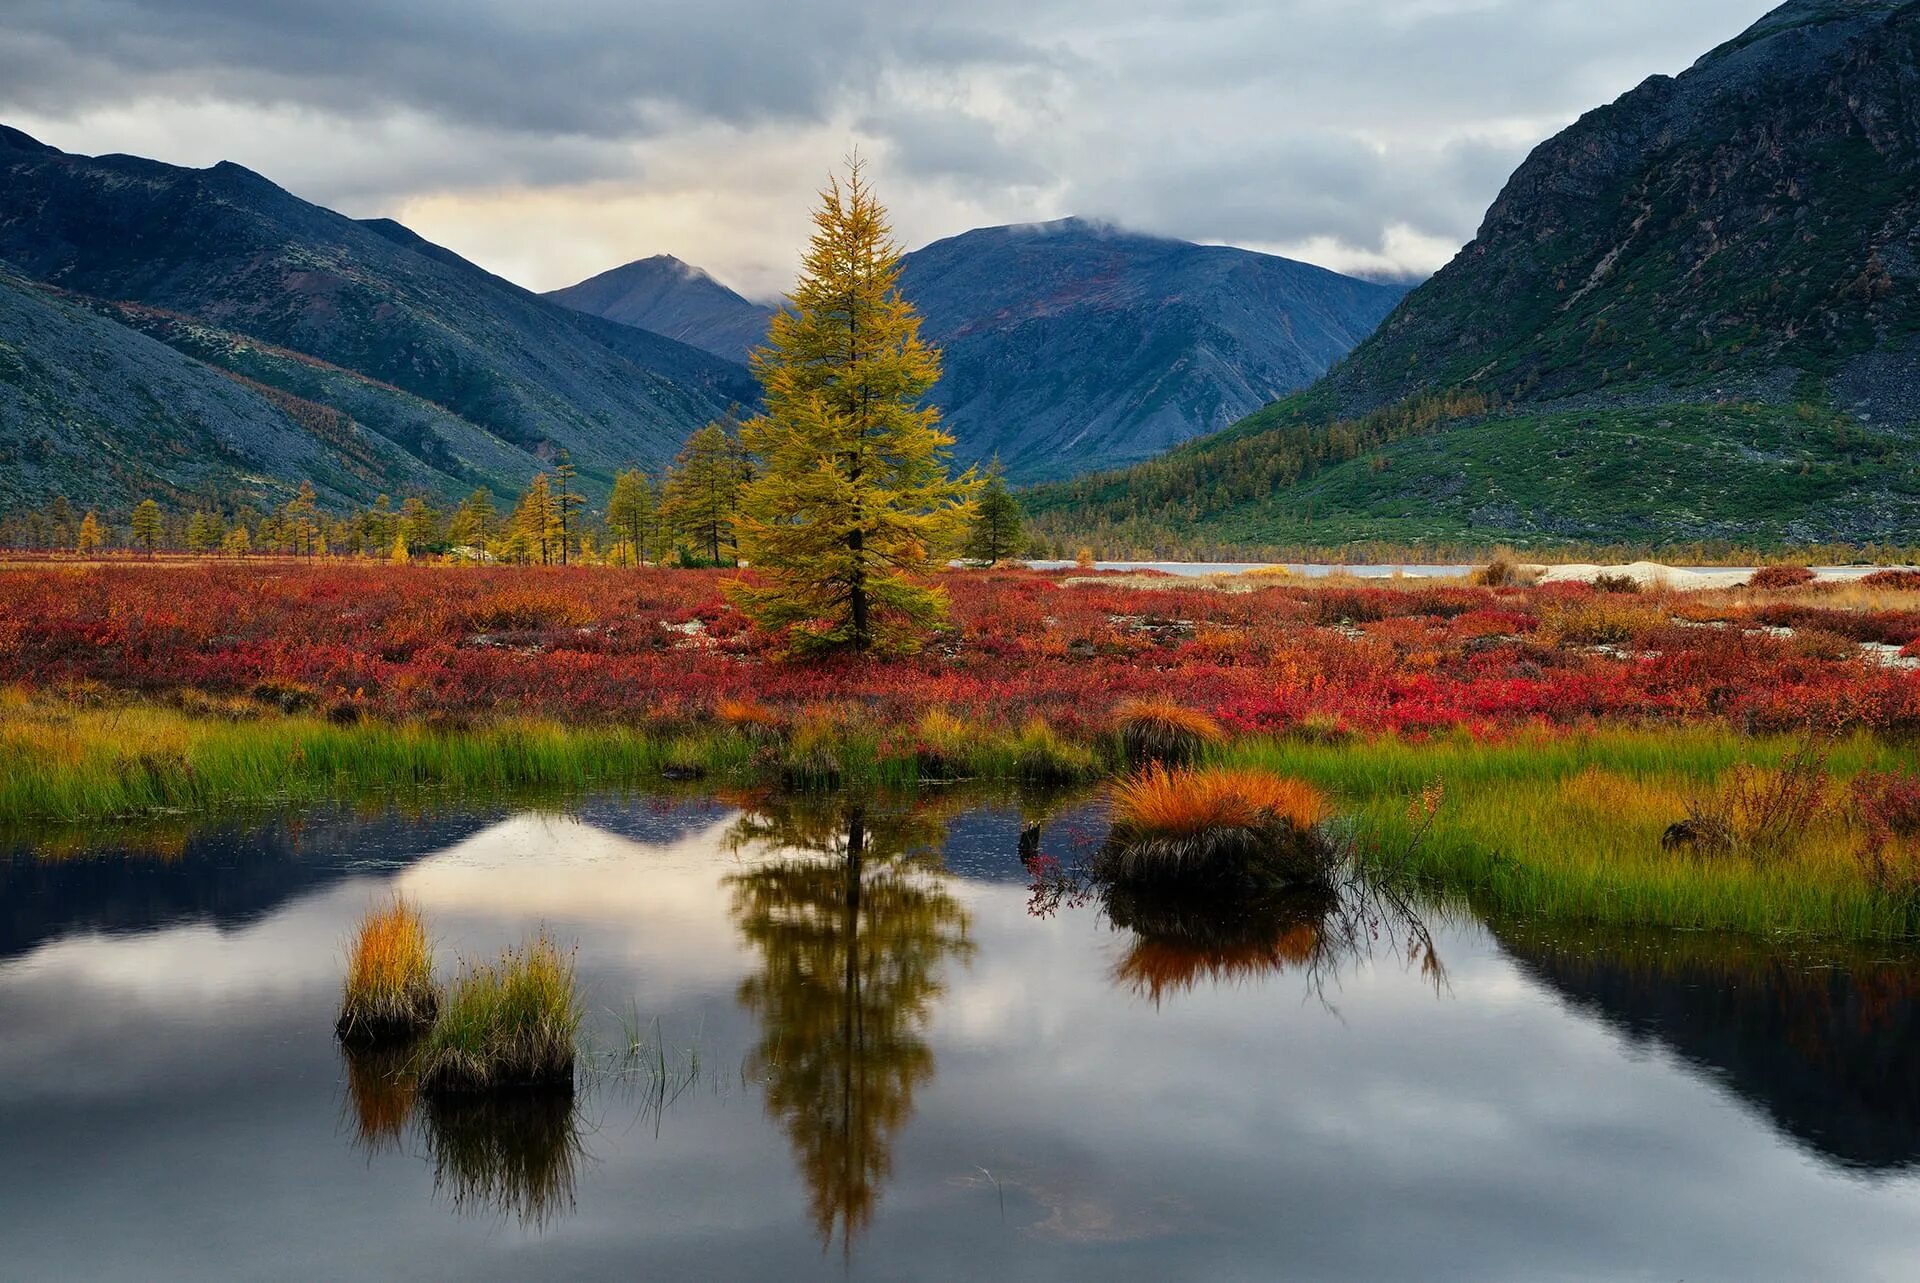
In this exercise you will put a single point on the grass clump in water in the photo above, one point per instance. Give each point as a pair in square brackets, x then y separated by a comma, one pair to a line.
[1159, 730]
[504, 1026]
[1218, 828]
[389, 993]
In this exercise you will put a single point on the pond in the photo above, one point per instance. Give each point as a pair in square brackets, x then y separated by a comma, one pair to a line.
[913, 1066]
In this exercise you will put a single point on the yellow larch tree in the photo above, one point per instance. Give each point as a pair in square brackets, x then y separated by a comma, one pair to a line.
[852, 500]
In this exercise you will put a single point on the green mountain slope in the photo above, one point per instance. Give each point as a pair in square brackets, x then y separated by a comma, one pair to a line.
[1729, 252]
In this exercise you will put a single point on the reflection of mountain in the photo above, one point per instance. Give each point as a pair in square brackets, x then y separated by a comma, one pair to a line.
[852, 925]
[1830, 1053]
[228, 875]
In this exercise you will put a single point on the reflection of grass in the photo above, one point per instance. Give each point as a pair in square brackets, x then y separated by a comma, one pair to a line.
[389, 990]
[506, 1025]
[1179, 945]
[1569, 828]
[513, 1153]
[381, 1091]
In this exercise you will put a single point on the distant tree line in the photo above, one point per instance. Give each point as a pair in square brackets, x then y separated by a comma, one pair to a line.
[685, 514]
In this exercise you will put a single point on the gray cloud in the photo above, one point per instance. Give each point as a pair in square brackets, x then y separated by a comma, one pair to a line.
[1355, 127]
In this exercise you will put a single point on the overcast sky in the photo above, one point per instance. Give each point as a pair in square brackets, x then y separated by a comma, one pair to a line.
[550, 139]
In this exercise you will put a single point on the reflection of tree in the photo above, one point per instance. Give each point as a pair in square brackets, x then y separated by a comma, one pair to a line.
[852, 924]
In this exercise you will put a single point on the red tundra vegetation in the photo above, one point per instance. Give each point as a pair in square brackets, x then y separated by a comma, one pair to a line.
[461, 646]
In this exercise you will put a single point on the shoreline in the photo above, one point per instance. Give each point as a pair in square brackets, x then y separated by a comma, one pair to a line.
[1532, 824]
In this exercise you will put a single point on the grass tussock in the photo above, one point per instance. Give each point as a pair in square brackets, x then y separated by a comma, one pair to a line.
[506, 1025]
[1161, 730]
[1218, 827]
[389, 995]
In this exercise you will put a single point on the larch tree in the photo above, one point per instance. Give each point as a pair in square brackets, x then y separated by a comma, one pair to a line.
[146, 526]
[567, 499]
[854, 499]
[90, 537]
[633, 512]
[996, 533]
[703, 490]
[303, 520]
[535, 519]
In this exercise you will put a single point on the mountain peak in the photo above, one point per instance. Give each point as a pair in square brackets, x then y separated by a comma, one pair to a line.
[12, 139]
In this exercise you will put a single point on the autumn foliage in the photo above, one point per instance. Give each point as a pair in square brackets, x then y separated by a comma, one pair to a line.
[459, 645]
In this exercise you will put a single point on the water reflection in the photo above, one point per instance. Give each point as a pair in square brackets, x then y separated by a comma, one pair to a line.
[511, 1154]
[852, 923]
[381, 1094]
[1827, 1045]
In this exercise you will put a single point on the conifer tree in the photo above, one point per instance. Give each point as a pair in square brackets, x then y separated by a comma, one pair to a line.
[534, 519]
[472, 523]
[237, 543]
[633, 511]
[90, 537]
[995, 534]
[566, 499]
[146, 526]
[702, 496]
[854, 498]
[303, 521]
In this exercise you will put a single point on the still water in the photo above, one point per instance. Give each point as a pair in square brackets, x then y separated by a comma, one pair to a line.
[890, 1067]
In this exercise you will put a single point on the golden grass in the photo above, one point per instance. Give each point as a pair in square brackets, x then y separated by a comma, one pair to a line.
[1157, 729]
[1169, 803]
[389, 991]
[1231, 829]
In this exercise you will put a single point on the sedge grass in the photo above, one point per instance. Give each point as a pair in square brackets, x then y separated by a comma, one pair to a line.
[1220, 827]
[1160, 730]
[505, 1025]
[389, 994]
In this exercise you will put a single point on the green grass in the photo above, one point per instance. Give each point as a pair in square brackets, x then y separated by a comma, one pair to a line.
[64, 765]
[1568, 829]
[505, 1025]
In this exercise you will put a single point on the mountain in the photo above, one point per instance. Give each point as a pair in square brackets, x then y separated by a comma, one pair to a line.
[1072, 345]
[1068, 346]
[669, 297]
[472, 378]
[1693, 315]
[98, 412]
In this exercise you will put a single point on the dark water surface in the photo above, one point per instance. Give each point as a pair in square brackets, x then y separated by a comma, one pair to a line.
[894, 1070]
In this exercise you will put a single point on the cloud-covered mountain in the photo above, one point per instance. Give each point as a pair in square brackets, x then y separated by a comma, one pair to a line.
[1692, 315]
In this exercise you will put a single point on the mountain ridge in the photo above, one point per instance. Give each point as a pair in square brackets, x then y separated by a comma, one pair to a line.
[1068, 345]
[514, 376]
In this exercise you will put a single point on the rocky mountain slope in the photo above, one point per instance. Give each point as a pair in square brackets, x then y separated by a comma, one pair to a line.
[474, 378]
[1707, 290]
[1068, 346]
[677, 299]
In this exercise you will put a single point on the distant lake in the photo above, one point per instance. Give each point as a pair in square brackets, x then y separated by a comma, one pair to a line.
[895, 1069]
